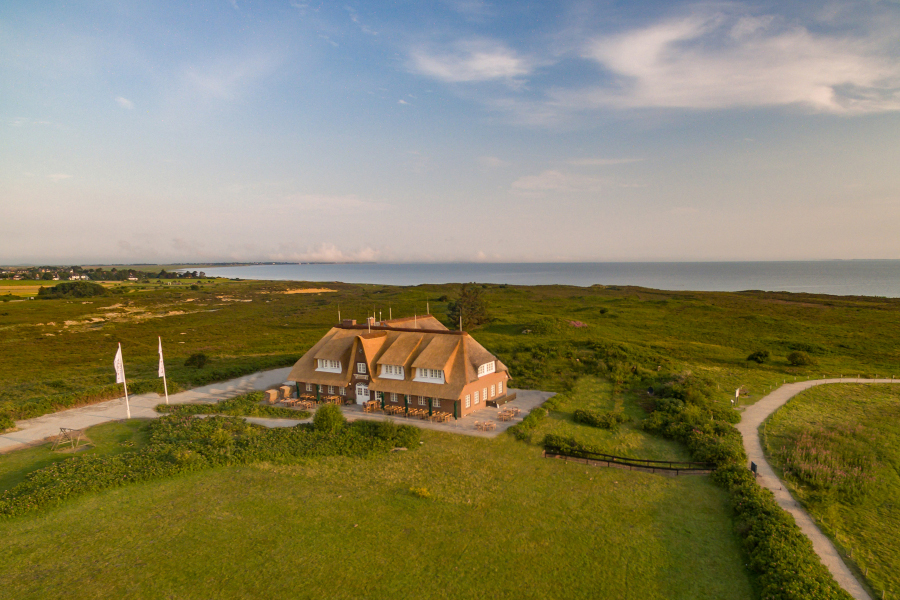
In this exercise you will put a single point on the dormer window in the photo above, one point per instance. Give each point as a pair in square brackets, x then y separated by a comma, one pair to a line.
[487, 368]
[429, 375]
[392, 372]
[329, 366]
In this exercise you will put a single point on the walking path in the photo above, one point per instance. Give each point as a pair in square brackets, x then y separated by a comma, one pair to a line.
[37, 430]
[32, 431]
[752, 417]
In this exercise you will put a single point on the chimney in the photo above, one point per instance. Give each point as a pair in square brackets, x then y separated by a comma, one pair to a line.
[348, 322]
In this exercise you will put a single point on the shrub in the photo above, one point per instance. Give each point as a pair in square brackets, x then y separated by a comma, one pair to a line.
[609, 420]
[420, 493]
[6, 422]
[73, 289]
[799, 358]
[523, 430]
[246, 405]
[328, 418]
[759, 356]
[198, 359]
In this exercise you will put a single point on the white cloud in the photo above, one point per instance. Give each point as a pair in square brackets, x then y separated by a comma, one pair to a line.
[471, 60]
[326, 252]
[59, 176]
[719, 61]
[557, 181]
[401, 101]
[124, 102]
[226, 78]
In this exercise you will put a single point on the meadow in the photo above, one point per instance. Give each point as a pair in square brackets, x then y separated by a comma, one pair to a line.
[457, 517]
[58, 353]
[838, 447]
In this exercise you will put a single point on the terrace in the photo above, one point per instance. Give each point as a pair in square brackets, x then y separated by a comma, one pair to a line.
[488, 422]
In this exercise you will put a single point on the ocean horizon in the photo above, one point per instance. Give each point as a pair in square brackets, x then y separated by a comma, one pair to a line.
[833, 277]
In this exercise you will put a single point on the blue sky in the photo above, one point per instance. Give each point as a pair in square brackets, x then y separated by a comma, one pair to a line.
[457, 130]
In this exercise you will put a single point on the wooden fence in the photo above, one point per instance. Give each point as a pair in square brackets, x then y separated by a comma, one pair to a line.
[597, 459]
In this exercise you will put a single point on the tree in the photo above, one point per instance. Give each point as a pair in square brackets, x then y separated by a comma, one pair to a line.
[470, 306]
[328, 418]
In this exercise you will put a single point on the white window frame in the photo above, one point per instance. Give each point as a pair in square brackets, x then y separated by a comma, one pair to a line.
[487, 368]
[476, 396]
[331, 389]
[423, 401]
[361, 368]
[342, 391]
[328, 366]
[500, 387]
[309, 387]
[435, 402]
[484, 394]
[392, 372]
[468, 400]
[394, 397]
[493, 390]
[429, 376]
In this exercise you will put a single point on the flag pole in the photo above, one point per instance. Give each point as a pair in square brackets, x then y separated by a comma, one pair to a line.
[162, 369]
[125, 385]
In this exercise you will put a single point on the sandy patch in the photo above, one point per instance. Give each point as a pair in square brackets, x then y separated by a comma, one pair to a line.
[308, 291]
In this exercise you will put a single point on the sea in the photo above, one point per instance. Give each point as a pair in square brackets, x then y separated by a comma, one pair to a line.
[836, 277]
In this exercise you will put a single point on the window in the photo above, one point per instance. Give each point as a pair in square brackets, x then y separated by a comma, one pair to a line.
[500, 388]
[436, 402]
[430, 375]
[330, 389]
[342, 391]
[309, 387]
[393, 397]
[486, 368]
[379, 396]
[484, 394]
[423, 401]
[392, 371]
[476, 396]
[493, 391]
[321, 388]
[361, 368]
[329, 366]
[468, 400]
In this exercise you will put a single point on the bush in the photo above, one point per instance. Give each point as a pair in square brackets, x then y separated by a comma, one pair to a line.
[246, 405]
[759, 356]
[181, 444]
[609, 420]
[523, 430]
[73, 289]
[328, 418]
[6, 422]
[197, 359]
[799, 358]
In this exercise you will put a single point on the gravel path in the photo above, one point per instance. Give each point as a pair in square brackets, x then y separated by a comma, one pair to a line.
[32, 431]
[752, 417]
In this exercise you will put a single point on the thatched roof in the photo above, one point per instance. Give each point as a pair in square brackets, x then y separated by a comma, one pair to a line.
[456, 353]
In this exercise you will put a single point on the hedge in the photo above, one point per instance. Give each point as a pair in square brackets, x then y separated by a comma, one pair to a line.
[609, 420]
[246, 405]
[183, 444]
[781, 557]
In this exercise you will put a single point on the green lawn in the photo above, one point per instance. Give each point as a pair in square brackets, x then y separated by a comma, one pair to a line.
[848, 425]
[502, 522]
[107, 439]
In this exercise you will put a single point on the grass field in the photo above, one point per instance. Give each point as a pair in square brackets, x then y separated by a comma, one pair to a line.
[500, 522]
[840, 448]
[56, 352]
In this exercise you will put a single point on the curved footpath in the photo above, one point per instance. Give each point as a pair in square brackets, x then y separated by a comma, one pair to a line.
[33, 431]
[752, 417]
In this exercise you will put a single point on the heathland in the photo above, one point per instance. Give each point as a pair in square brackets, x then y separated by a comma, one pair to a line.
[838, 448]
[458, 516]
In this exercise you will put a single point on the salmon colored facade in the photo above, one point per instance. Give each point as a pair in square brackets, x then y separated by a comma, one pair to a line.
[409, 363]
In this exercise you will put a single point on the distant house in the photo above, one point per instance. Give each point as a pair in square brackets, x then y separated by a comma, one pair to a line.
[77, 277]
[413, 362]
[132, 278]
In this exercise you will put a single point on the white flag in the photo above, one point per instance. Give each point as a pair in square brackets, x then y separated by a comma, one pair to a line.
[162, 365]
[120, 367]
